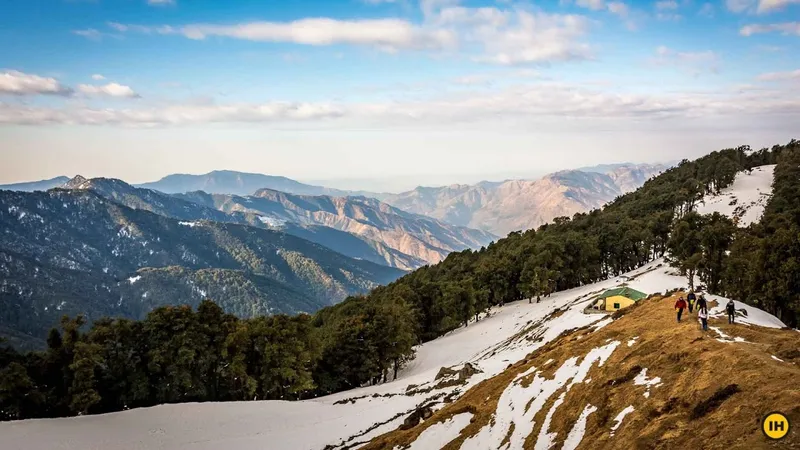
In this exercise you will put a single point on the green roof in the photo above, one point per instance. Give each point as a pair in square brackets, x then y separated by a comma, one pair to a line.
[632, 294]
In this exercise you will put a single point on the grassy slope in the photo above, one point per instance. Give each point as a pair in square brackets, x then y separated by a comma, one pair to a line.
[692, 364]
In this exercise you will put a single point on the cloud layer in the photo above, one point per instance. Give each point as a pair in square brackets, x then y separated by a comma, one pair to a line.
[527, 103]
[785, 28]
[489, 34]
[18, 83]
[108, 90]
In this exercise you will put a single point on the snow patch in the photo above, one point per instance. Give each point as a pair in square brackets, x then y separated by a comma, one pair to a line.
[602, 323]
[272, 221]
[189, 224]
[440, 434]
[776, 358]
[754, 315]
[133, 280]
[642, 380]
[575, 435]
[620, 416]
[632, 341]
[745, 199]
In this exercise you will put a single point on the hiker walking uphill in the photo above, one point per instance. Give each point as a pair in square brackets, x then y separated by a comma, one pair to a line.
[680, 305]
[702, 314]
[730, 308]
[690, 299]
[701, 302]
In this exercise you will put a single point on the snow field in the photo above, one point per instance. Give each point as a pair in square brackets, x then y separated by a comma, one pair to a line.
[749, 194]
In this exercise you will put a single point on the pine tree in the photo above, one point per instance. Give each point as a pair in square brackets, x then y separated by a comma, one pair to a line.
[82, 392]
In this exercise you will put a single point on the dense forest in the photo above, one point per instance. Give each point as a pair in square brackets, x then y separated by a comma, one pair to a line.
[177, 354]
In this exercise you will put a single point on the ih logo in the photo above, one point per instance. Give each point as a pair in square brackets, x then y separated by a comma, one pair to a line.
[775, 425]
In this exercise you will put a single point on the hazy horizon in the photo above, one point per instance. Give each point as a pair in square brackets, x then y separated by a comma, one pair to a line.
[394, 184]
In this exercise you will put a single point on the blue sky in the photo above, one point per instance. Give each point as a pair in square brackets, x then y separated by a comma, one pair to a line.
[379, 94]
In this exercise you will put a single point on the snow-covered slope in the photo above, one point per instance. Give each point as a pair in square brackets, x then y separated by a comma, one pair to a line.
[347, 419]
[745, 199]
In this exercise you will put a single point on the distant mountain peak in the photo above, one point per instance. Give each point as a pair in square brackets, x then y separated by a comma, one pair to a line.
[31, 186]
[76, 182]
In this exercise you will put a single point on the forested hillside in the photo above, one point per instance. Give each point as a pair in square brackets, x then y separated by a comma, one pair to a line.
[206, 355]
[74, 252]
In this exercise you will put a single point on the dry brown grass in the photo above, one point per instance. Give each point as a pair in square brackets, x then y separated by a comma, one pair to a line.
[696, 371]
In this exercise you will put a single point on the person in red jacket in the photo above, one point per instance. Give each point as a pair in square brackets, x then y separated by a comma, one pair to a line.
[680, 305]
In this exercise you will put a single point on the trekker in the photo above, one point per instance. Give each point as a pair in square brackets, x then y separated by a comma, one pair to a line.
[702, 313]
[731, 310]
[701, 302]
[690, 299]
[680, 305]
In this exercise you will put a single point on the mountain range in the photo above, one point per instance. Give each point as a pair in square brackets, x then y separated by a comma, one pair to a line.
[503, 207]
[497, 207]
[358, 227]
[76, 252]
[403, 239]
[240, 183]
[32, 186]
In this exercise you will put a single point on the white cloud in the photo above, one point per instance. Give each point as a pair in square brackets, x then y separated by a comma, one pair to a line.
[460, 16]
[758, 6]
[618, 8]
[695, 61]
[739, 6]
[765, 6]
[780, 76]
[500, 36]
[387, 34]
[474, 80]
[170, 115]
[594, 5]
[667, 5]
[785, 28]
[108, 90]
[98, 77]
[17, 83]
[532, 38]
[89, 33]
[160, 2]
[432, 7]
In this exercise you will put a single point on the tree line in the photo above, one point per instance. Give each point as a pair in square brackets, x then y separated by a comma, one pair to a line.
[179, 355]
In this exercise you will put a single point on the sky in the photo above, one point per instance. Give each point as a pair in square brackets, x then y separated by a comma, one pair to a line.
[388, 94]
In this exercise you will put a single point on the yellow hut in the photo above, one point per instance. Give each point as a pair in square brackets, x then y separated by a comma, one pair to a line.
[619, 298]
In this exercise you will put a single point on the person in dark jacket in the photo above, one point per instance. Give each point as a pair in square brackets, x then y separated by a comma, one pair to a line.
[701, 302]
[730, 308]
[690, 299]
[680, 305]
